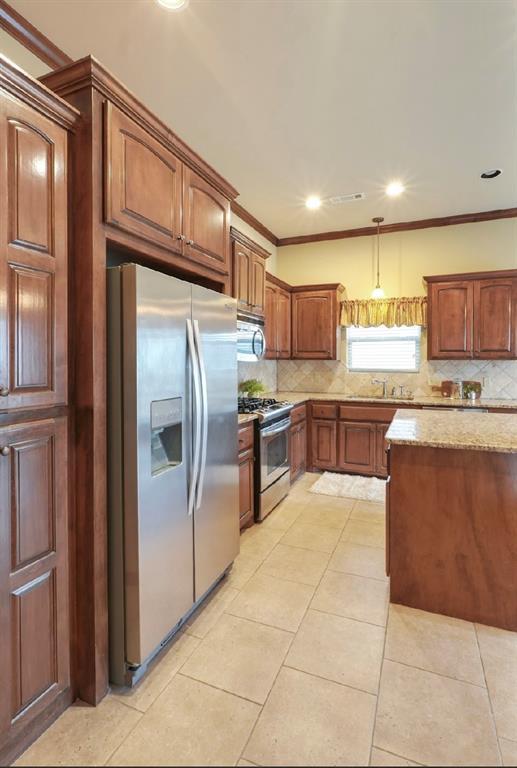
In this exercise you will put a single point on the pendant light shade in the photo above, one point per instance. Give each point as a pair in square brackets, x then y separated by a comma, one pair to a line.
[377, 292]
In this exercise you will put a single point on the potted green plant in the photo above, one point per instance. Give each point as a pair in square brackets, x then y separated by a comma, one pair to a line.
[251, 388]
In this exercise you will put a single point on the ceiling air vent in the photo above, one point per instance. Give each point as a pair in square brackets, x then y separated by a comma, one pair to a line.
[340, 199]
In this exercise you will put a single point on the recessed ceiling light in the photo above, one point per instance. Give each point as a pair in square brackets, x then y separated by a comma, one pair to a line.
[493, 173]
[313, 202]
[173, 5]
[395, 188]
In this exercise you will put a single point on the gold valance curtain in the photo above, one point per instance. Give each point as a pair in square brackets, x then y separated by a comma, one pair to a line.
[390, 312]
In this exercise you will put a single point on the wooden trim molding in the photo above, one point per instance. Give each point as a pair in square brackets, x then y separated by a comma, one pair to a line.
[401, 226]
[318, 287]
[492, 275]
[89, 73]
[243, 214]
[22, 86]
[31, 38]
[235, 234]
[274, 280]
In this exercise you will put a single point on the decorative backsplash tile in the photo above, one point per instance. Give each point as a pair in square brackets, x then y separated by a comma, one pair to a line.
[499, 378]
[264, 370]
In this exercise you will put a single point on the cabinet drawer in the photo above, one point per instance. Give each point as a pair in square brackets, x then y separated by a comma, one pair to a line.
[245, 437]
[321, 411]
[299, 413]
[366, 413]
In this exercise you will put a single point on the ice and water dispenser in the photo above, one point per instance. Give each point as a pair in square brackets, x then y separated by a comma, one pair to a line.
[166, 434]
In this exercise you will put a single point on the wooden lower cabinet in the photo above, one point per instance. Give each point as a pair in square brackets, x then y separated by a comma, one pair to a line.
[34, 592]
[298, 449]
[356, 446]
[246, 489]
[323, 443]
[246, 475]
[381, 447]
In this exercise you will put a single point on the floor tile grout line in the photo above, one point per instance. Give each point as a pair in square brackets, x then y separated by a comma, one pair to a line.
[361, 575]
[220, 688]
[494, 721]
[395, 754]
[341, 616]
[439, 674]
[328, 679]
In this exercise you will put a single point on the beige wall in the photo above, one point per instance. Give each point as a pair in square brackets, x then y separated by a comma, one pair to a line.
[271, 264]
[405, 257]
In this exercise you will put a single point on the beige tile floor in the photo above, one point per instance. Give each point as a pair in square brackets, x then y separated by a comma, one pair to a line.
[298, 659]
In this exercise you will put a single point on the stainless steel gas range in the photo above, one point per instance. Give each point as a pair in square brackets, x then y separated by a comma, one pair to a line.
[272, 467]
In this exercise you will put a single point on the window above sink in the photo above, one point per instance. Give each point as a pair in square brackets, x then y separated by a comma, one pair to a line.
[383, 349]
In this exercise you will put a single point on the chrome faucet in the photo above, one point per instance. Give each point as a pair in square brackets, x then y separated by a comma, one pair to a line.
[384, 383]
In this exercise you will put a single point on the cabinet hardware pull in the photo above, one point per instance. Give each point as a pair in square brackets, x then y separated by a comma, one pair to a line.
[190, 242]
[4, 392]
[180, 237]
[6, 450]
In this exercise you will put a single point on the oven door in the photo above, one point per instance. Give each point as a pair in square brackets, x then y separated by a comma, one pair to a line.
[274, 452]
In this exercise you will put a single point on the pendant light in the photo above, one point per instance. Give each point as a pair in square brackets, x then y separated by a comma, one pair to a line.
[377, 292]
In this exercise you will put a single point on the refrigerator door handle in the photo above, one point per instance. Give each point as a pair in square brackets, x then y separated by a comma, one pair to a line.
[204, 422]
[196, 433]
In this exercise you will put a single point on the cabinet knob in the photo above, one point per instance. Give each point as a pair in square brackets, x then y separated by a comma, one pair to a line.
[6, 450]
[180, 237]
[190, 242]
[4, 392]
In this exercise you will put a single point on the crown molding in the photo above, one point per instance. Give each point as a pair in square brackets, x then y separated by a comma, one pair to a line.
[240, 237]
[31, 38]
[243, 214]
[401, 226]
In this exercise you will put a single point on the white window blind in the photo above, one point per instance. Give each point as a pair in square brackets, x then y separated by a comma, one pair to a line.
[383, 349]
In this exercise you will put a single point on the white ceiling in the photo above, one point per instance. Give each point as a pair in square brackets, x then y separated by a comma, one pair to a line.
[288, 98]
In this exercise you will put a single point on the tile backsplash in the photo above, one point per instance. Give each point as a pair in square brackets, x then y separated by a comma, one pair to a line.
[499, 378]
[264, 370]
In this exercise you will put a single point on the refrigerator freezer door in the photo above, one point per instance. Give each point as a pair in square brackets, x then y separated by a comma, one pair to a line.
[216, 514]
[158, 535]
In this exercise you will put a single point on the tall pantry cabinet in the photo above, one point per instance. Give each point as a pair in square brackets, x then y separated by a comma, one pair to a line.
[34, 409]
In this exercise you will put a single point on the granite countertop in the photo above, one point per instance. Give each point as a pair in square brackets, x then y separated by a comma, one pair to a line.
[495, 432]
[245, 417]
[443, 402]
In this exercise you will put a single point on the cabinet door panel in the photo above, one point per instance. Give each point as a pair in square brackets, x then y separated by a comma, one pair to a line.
[33, 265]
[283, 316]
[324, 434]
[271, 322]
[34, 602]
[314, 330]
[246, 488]
[142, 182]
[241, 275]
[258, 284]
[356, 446]
[451, 316]
[206, 223]
[381, 459]
[495, 318]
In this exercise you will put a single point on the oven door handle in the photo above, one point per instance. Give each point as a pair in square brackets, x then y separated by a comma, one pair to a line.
[274, 429]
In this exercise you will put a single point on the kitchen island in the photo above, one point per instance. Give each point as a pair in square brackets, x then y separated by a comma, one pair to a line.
[451, 514]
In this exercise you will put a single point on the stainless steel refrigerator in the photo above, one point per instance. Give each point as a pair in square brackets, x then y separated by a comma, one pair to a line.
[173, 472]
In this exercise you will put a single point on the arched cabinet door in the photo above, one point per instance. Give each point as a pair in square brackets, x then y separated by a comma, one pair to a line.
[206, 223]
[33, 261]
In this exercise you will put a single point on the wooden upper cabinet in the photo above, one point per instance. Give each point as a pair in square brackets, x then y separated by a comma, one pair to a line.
[241, 274]
[451, 314]
[315, 322]
[258, 285]
[249, 275]
[495, 316]
[143, 182]
[33, 264]
[34, 601]
[473, 315]
[270, 321]
[283, 320]
[206, 223]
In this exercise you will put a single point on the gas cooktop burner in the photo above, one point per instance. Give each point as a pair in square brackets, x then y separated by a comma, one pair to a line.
[266, 408]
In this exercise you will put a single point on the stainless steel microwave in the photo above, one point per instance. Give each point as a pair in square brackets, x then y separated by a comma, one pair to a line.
[251, 342]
